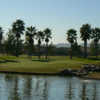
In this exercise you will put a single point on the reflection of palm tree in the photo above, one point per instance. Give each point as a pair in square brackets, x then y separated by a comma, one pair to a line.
[28, 86]
[70, 90]
[94, 96]
[45, 91]
[9, 80]
[13, 88]
[41, 89]
[15, 91]
[84, 91]
[68, 94]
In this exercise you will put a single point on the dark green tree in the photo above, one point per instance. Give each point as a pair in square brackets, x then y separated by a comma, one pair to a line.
[18, 29]
[1, 37]
[47, 34]
[96, 38]
[77, 50]
[40, 38]
[92, 48]
[51, 49]
[30, 36]
[85, 31]
[71, 38]
[10, 44]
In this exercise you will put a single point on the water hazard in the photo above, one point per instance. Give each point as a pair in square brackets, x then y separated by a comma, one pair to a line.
[23, 87]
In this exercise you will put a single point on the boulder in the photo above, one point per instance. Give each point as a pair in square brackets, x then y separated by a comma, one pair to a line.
[69, 72]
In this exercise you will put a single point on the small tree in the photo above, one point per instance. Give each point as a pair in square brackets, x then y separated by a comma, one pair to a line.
[39, 37]
[47, 34]
[96, 38]
[92, 48]
[71, 37]
[85, 31]
[18, 29]
[10, 44]
[77, 50]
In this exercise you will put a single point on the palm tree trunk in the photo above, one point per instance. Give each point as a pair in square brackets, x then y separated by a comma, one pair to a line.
[46, 57]
[96, 49]
[39, 53]
[17, 46]
[33, 47]
[0, 46]
[71, 55]
[84, 91]
[85, 49]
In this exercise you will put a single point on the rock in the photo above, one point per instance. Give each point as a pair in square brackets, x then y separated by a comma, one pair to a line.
[85, 69]
[91, 68]
[69, 72]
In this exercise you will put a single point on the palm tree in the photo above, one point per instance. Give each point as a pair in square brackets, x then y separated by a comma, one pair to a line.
[71, 37]
[1, 37]
[85, 31]
[30, 34]
[96, 38]
[40, 37]
[18, 29]
[47, 33]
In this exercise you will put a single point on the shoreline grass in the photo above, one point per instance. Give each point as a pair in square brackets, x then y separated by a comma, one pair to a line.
[54, 65]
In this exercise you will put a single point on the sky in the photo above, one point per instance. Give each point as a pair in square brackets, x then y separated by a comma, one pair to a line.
[58, 15]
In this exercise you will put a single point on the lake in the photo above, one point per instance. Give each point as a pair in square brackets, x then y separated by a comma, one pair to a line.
[24, 87]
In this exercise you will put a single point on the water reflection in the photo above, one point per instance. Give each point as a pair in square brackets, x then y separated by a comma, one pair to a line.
[84, 92]
[22, 87]
[94, 94]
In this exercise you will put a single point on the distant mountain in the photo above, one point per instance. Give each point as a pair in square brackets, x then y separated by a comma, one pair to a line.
[62, 45]
[82, 44]
[68, 45]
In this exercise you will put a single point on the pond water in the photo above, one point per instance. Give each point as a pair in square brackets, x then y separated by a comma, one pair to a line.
[23, 87]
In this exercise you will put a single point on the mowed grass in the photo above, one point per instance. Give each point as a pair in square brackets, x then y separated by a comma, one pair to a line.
[53, 65]
[95, 75]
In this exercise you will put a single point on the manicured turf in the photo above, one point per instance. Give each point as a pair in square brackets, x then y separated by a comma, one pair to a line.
[55, 64]
[95, 75]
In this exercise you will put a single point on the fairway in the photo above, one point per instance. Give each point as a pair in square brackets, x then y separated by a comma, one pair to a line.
[53, 65]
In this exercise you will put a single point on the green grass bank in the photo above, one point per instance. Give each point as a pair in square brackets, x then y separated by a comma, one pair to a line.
[53, 65]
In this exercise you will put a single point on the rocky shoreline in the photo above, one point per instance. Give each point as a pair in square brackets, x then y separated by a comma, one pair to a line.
[83, 72]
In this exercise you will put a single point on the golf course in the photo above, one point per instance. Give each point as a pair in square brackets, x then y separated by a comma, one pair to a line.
[53, 65]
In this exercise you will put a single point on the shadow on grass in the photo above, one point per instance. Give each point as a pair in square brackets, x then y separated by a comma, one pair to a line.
[41, 60]
[6, 61]
[93, 58]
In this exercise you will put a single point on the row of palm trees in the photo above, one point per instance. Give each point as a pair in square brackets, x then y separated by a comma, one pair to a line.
[86, 33]
[31, 34]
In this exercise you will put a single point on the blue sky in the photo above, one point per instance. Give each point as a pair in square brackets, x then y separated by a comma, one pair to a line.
[59, 15]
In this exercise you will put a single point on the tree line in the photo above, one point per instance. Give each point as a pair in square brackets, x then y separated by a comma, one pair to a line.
[15, 45]
[86, 33]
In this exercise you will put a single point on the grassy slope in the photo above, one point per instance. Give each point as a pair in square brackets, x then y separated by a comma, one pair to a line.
[94, 75]
[55, 64]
